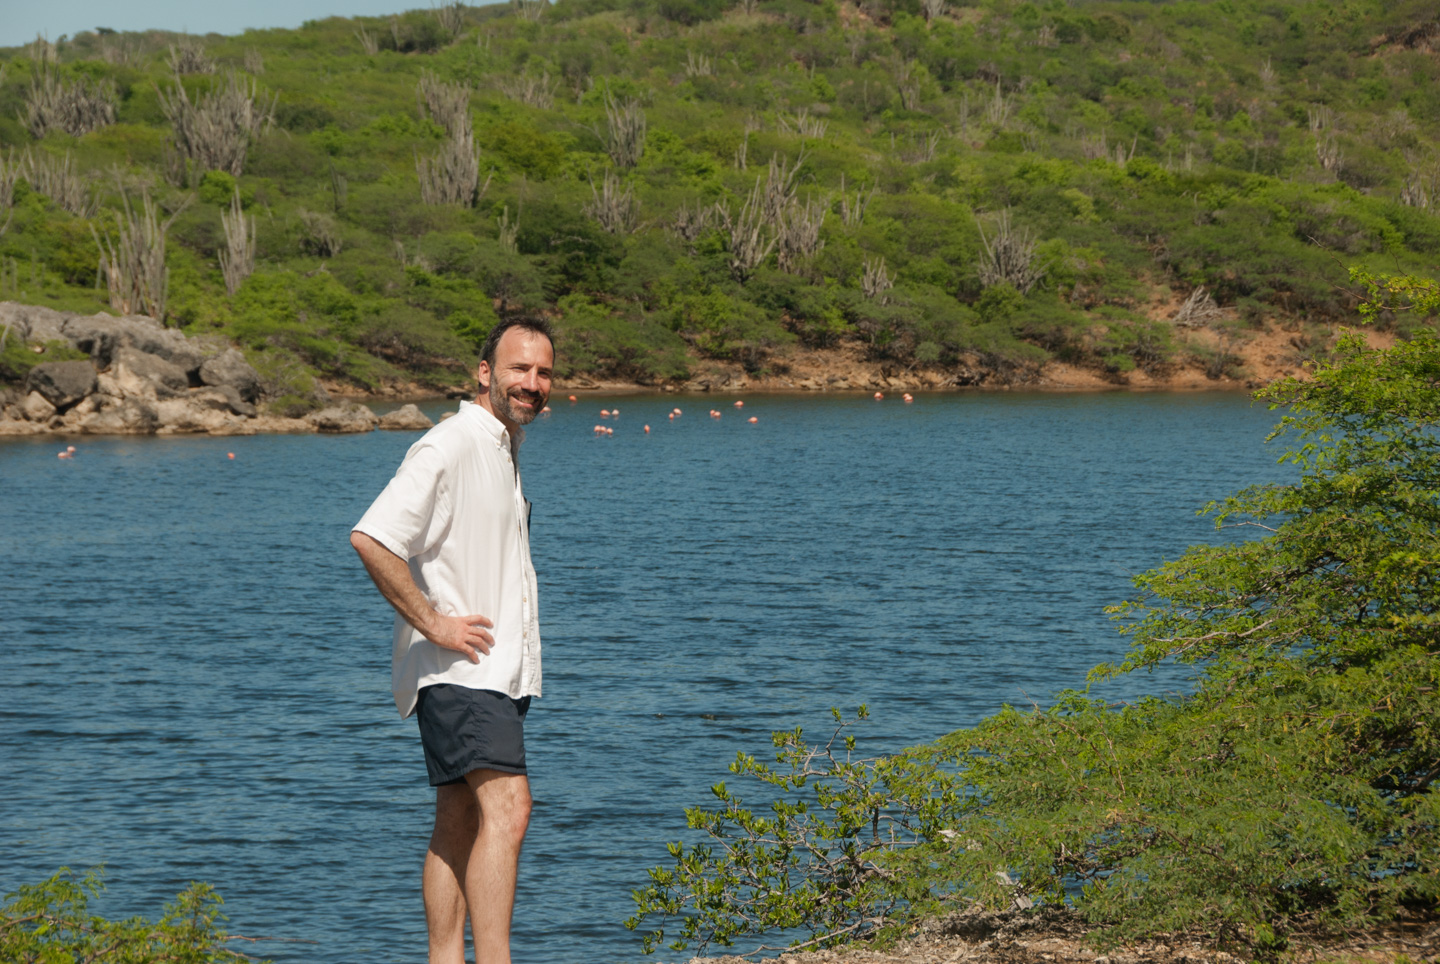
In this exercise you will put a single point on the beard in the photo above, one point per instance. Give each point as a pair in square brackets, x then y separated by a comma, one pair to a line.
[504, 403]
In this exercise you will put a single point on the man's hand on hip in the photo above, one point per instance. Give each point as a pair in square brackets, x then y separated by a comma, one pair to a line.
[463, 634]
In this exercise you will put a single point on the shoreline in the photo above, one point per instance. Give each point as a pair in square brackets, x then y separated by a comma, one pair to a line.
[132, 376]
[360, 413]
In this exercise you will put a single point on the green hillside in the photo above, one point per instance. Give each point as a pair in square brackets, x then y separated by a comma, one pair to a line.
[930, 183]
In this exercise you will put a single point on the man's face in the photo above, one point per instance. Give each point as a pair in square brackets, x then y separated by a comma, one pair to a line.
[518, 385]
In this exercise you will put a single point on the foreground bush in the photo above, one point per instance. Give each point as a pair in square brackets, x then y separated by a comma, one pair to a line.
[1290, 793]
[50, 922]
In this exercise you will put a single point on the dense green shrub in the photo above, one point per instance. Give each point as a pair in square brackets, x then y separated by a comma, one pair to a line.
[592, 339]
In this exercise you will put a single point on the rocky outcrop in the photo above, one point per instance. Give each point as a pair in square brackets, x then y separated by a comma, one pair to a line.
[407, 418]
[62, 384]
[230, 370]
[141, 379]
[101, 335]
[143, 375]
[37, 408]
[336, 419]
[145, 379]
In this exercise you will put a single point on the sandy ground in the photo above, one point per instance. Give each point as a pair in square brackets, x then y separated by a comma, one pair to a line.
[1050, 937]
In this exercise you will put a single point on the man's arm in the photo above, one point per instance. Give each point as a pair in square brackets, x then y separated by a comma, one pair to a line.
[463, 634]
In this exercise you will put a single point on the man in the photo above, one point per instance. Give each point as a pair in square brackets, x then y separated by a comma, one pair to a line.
[448, 544]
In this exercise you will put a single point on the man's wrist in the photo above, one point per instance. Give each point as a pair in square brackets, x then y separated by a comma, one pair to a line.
[429, 624]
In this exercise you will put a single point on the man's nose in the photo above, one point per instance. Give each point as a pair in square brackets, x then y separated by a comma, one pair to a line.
[530, 382]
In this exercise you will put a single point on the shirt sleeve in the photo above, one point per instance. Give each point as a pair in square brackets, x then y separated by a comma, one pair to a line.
[413, 512]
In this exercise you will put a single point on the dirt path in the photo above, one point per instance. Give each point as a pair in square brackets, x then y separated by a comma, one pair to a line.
[1050, 937]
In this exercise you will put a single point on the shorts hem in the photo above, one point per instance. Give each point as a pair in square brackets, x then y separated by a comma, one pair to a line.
[458, 775]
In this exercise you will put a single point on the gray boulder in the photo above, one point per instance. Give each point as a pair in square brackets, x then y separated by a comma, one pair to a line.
[351, 417]
[407, 418]
[103, 336]
[128, 416]
[37, 408]
[62, 383]
[178, 416]
[222, 398]
[143, 375]
[32, 322]
[230, 368]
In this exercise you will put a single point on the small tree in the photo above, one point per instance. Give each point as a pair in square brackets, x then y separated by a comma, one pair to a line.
[452, 176]
[626, 140]
[529, 90]
[319, 234]
[58, 179]
[134, 265]
[446, 104]
[216, 128]
[11, 167]
[1009, 257]
[748, 240]
[853, 212]
[799, 233]
[190, 58]
[613, 208]
[876, 280]
[450, 17]
[820, 861]
[237, 260]
[689, 223]
[76, 107]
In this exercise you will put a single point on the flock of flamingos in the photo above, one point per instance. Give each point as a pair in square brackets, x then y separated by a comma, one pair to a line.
[675, 413]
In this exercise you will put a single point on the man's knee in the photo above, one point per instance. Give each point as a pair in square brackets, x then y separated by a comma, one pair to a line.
[519, 815]
[504, 801]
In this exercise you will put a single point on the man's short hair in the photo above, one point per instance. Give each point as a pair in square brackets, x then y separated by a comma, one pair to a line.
[538, 326]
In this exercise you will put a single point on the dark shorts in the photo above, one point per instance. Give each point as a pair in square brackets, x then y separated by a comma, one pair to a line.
[463, 729]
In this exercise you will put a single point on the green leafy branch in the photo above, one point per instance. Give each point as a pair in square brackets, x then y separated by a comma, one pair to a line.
[50, 922]
[830, 858]
[1395, 292]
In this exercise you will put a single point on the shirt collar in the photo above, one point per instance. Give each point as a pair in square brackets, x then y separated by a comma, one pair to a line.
[480, 416]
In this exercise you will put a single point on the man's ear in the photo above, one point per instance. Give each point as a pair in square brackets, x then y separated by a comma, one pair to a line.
[482, 375]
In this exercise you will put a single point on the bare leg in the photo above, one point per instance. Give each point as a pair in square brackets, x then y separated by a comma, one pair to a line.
[457, 824]
[504, 802]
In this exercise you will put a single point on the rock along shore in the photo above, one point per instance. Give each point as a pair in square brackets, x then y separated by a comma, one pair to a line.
[142, 378]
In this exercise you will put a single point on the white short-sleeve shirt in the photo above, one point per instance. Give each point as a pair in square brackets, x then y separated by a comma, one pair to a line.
[455, 511]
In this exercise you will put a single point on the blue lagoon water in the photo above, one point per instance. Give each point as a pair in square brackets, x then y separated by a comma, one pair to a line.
[194, 668]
